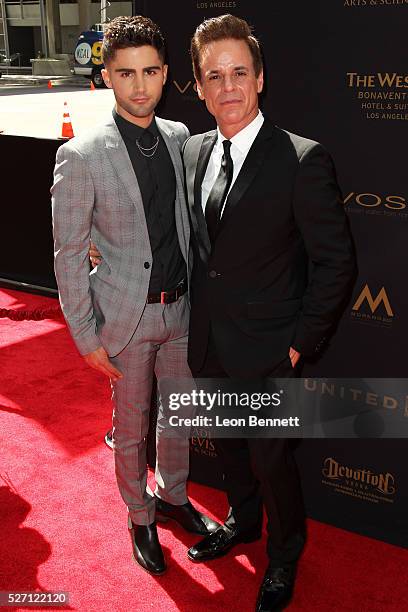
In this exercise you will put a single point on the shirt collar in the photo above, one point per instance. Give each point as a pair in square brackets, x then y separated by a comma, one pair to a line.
[131, 130]
[244, 139]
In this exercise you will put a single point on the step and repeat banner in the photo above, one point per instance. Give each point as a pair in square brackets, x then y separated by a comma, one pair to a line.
[336, 72]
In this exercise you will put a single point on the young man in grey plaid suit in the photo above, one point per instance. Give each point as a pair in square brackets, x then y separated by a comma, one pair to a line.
[121, 185]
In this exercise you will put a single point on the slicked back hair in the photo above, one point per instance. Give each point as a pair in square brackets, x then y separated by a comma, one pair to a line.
[222, 28]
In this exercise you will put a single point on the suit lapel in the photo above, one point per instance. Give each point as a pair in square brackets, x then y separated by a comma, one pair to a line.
[173, 148]
[199, 222]
[181, 215]
[120, 160]
[252, 164]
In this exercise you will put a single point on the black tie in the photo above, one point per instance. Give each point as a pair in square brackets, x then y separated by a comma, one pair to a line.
[219, 191]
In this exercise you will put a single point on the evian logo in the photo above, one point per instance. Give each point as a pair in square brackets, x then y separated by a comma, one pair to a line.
[384, 483]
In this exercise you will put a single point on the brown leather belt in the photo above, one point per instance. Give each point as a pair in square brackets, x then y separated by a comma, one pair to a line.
[167, 297]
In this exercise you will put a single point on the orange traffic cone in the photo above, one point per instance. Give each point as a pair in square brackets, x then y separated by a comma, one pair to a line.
[49, 84]
[92, 86]
[67, 131]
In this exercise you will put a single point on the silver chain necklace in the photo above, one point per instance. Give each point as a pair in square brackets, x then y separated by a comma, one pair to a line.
[148, 151]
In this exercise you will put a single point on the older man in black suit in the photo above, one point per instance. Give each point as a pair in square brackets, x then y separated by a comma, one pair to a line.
[273, 264]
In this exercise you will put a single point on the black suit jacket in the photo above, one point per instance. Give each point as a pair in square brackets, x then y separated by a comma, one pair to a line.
[283, 260]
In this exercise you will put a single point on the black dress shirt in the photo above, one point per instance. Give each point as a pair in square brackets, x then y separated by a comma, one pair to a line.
[157, 182]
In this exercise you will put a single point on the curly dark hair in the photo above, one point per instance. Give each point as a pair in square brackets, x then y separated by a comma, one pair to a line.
[137, 31]
[222, 28]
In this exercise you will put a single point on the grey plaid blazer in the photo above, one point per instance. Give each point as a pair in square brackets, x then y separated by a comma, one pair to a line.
[96, 195]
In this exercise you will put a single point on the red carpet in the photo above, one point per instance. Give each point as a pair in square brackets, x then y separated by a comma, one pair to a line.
[63, 526]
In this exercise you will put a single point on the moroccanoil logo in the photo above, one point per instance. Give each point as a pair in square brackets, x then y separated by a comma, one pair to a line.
[382, 298]
[361, 483]
[371, 308]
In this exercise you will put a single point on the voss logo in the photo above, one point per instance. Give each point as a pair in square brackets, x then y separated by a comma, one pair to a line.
[183, 88]
[373, 200]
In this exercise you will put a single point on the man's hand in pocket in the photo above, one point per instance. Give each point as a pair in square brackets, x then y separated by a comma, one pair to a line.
[94, 255]
[294, 356]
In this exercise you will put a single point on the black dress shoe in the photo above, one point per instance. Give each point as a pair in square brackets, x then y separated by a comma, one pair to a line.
[147, 551]
[276, 589]
[186, 516]
[219, 543]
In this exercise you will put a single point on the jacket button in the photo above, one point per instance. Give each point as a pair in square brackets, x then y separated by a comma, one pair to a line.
[146, 265]
[212, 274]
